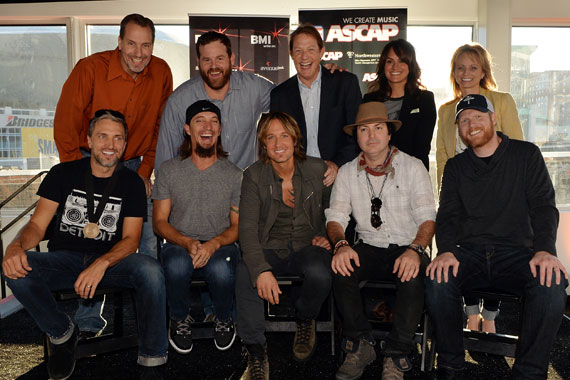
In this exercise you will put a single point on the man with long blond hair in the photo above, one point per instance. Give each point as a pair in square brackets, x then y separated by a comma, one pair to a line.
[282, 232]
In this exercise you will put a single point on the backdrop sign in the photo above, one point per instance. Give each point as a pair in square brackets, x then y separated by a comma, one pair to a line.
[259, 43]
[354, 38]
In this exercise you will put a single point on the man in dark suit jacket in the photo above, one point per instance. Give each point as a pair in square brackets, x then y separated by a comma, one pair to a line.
[321, 102]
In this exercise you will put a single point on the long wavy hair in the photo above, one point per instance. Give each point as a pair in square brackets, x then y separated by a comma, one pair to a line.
[185, 149]
[478, 53]
[406, 52]
[289, 125]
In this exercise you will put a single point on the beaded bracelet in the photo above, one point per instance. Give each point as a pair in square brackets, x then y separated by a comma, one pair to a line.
[339, 244]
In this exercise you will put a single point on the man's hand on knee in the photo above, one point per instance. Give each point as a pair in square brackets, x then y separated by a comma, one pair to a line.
[441, 265]
[548, 265]
[407, 265]
[341, 261]
[203, 253]
[267, 287]
[89, 279]
[15, 264]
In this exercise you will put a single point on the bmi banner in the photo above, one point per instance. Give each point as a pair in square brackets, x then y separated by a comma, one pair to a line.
[259, 43]
[354, 38]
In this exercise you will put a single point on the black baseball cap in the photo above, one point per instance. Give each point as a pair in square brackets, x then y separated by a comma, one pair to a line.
[474, 102]
[201, 106]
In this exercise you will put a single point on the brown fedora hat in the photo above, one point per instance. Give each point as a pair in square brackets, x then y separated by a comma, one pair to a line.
[371, 112]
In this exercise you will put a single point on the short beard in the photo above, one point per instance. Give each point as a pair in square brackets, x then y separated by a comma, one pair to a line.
[101, 162]
[223, 82]
[204, 152]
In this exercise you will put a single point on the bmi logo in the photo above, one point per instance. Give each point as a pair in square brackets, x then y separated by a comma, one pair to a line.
[261, 39]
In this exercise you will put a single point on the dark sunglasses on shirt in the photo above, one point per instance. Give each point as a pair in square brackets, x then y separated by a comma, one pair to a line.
[375, 212]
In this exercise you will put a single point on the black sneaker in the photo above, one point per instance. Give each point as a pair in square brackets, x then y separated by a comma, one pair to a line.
[152, 373]
[446, 373]
[224, 334]
[61, 357]
[180, 335]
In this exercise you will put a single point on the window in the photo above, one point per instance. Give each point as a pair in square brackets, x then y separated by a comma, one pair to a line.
[33, 68]
[171, 44]
[434, 47]
[540, 84]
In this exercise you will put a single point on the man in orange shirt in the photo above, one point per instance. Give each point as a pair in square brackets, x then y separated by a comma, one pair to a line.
[128, 79]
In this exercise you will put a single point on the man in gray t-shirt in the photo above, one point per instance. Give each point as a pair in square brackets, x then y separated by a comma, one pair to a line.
[196, 197]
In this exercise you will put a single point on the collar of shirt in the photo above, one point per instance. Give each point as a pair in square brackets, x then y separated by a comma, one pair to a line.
[116, 69]
[235, 85]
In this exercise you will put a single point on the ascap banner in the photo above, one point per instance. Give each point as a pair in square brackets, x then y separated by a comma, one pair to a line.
[259, 43]
[354, 38]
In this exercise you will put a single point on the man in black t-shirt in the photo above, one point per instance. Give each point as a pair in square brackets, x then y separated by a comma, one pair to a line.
[99, 209]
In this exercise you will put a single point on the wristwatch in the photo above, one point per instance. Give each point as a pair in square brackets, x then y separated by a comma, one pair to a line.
[418, 248]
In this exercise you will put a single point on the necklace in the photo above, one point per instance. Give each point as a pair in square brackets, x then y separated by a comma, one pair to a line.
[371, 188]
[375, 203]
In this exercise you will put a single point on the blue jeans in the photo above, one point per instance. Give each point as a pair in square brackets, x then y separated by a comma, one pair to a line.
[59, 270]
[312, 263]
[504, 268]
[219, 274]
[89, 313]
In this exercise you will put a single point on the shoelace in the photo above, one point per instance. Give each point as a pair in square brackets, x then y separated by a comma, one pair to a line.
[304, 333]
[257, 368]
[351, 358]
[223, 326]
[183, 326]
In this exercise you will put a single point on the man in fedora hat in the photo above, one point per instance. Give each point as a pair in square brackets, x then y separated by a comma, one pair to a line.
[390, 196]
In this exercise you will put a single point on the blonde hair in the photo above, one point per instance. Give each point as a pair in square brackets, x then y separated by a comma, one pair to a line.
[478, 53]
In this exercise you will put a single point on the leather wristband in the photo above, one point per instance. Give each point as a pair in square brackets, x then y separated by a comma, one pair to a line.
[417, 248]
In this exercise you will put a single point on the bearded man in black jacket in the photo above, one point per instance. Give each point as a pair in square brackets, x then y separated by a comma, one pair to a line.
[496, 228]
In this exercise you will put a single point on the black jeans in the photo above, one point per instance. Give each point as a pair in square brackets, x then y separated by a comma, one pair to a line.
[378, 264]
[504, 268]
[312, 263]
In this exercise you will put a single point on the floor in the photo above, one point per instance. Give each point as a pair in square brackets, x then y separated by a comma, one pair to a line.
[21, 356]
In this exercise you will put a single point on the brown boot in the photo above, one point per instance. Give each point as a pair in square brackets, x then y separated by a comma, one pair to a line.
[390, 371]
[257, 363]
[360, 354]
[305, 340]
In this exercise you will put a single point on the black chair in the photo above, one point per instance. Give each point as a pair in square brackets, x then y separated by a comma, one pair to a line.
[107, 342]
[423, 337]
[279, 318]
[498, 344]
